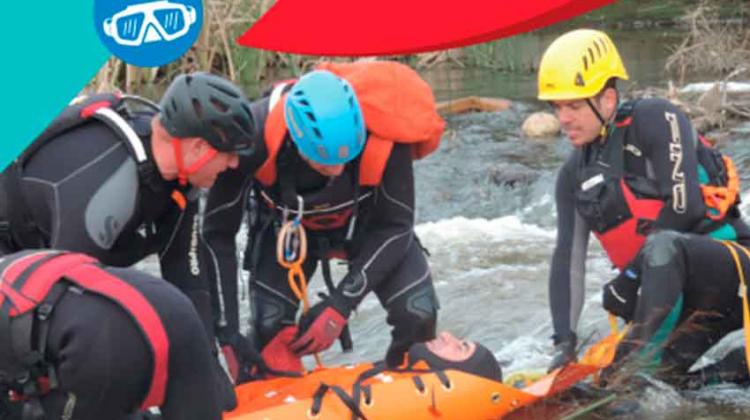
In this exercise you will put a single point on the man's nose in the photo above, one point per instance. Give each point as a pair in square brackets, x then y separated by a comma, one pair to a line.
[564, 115]
[234, 161]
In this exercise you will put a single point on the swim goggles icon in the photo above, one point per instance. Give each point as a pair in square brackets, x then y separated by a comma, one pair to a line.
[150, 22]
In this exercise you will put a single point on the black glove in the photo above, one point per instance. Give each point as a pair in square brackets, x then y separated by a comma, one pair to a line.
[394, 357]
[621, 294]
[565, 351]
[404, 334]
[241, 356]
[225, 387]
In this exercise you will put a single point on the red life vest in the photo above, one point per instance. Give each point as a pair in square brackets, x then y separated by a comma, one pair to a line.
[398, 107]
[27, 279]
[623, 242]
[622, 213]
[619, 217]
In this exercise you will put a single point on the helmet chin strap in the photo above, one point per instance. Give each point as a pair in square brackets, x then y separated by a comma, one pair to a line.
[605, 124]
[182, 171]
[603, 131]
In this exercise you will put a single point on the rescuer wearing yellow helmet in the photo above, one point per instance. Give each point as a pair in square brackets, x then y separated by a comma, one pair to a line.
[655, 194]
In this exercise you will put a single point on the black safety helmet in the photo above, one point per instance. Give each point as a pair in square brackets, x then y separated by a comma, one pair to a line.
[211, 107]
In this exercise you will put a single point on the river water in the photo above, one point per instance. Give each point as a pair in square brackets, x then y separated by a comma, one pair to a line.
[486, 213]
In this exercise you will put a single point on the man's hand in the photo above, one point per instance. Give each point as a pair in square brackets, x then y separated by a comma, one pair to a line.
[619, 296]
[320, 326]
[240, 355]
[565, 351]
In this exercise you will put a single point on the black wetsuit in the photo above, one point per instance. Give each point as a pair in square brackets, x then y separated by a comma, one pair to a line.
[104, 366]
[689, 300]
[384, 254]
[660, 146]
[82, 191]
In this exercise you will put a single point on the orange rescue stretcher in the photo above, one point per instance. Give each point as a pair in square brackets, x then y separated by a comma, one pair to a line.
[348, 392]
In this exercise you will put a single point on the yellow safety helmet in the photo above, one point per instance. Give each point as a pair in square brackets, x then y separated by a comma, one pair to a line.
[577, 65]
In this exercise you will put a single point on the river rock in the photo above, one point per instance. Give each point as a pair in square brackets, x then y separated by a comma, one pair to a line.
[541, 124]
[511, 174]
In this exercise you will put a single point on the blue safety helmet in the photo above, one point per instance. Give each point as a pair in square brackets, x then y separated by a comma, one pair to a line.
[324, 118]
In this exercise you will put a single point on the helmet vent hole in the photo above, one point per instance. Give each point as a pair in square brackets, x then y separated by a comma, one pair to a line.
[198, 108]
[317, 133]
[604, 45]
[223, 89]
[248, 113]
[591, 55]
[351, 102]
[219, 131]
[343, 152]
[299, 93]
[598, 50]
[188, 80]
[240, 123]
[311, 116]
[346, 88]
[304, 102]
[173, 104]
[585, 63]
[221, 106]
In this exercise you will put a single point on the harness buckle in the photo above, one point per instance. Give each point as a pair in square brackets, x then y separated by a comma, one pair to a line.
[44, 310]
[300, 210]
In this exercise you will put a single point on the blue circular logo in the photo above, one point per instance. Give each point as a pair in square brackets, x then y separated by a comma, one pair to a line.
[148, 33]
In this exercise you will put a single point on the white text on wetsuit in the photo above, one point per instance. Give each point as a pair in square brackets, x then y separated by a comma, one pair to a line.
[679, 201]
[193, 252]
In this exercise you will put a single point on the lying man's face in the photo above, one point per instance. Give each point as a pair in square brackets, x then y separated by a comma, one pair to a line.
[448, 352]
[449, 347]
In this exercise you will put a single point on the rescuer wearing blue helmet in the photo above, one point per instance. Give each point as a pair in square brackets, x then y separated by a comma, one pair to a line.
[339, 144]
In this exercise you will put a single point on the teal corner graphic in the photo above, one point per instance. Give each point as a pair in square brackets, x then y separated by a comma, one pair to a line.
[44, 65]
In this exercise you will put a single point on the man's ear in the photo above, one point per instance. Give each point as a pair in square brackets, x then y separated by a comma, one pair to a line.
[158, 131]
[608, 101]
[194, 146]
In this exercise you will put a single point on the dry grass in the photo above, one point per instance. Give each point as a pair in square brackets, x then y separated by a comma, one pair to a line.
[713, 46]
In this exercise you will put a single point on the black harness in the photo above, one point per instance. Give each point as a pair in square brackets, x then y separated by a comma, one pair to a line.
[23, 341]
[18, 230]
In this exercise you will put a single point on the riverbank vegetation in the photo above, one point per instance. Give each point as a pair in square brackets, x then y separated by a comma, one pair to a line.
[718, 49]
[724, 25]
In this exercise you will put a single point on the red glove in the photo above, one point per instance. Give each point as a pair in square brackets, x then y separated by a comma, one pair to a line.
[233, 364]
[318, 329]
[277, 354]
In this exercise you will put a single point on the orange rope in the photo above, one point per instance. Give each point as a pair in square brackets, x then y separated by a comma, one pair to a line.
[743, 291]
[290, 231]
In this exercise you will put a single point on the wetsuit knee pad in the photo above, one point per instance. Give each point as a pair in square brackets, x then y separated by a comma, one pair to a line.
[661, 248]
[417, 309]
[270, 315]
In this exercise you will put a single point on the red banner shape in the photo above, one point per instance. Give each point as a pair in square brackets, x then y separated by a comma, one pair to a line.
[387, 27]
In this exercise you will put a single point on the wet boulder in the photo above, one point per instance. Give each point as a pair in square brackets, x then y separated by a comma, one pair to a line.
[540, 125]
[512, 174]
